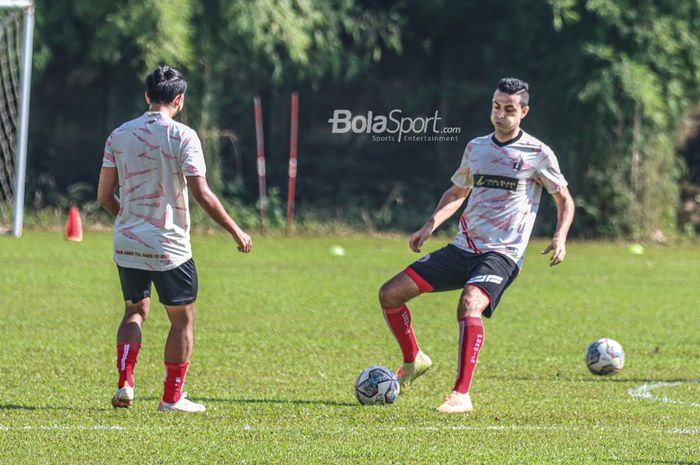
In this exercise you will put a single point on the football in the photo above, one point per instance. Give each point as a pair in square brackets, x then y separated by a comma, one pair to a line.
[605, 357]
[377, 385]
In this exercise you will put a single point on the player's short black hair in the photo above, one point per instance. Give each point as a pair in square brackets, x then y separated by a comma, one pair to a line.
[164, 84]
[513, 86]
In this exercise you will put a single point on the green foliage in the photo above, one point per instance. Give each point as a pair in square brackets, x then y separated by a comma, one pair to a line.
[612, 82]
[563, 12]
[643, 81]
[271, 42]
[138, 33]
[314, 36]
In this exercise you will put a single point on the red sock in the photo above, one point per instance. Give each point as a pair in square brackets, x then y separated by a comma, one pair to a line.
[471, 338]
[399, 320]
[126, 361]
[174, 380]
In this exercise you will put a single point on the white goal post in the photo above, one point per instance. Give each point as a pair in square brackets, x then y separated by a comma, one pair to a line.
[15, 164]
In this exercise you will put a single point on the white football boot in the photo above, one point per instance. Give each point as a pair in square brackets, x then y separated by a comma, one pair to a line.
[124, 397]
[456, 402]
[183, 405]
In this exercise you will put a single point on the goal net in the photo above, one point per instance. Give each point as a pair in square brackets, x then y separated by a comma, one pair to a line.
[16, 29]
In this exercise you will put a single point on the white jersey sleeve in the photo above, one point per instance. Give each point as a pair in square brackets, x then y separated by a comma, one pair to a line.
[108, 159]
[463, 176]
[548, 173]
[192, 156]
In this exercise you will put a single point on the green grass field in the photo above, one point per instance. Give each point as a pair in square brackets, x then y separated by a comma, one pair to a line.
[282, 333]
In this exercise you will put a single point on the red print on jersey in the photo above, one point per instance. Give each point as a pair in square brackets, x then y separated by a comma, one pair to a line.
[157, 222]
[128, 175]
[145, 142]
[129, 234]
[133, 188]
[153, 195]
[146, 156]
[499, 198]
[168, 156]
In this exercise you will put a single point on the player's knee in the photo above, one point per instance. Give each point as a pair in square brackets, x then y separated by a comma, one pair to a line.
[383, 294]
[182, 318]
[139, 309]
[388, 297]
[472, 303]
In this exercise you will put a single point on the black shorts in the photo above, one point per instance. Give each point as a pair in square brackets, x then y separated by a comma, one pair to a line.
[452, 268]
[175, 287]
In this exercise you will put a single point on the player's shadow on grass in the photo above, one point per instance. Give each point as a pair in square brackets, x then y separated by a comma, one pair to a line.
[18, 407]
[331, 403]
[45, 407]
[267, 401]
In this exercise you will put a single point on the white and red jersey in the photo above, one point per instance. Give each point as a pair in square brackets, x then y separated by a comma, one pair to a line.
[153, 155]
[506, 181]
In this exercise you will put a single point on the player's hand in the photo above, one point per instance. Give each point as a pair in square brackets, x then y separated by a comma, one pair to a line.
[558, 247]
[245, 243]
[420, 236]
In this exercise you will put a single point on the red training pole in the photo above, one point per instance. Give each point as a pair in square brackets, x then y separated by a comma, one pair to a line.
[294, 131]
[261, 159]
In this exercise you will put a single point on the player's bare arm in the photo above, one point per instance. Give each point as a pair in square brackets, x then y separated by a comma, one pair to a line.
[212, 205]
[565, 215]
[106, 190]
[449, 203]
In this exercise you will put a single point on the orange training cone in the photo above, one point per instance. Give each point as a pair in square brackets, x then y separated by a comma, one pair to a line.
[74, 229]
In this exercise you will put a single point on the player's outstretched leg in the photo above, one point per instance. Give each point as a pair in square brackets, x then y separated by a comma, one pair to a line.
[128, 345]
[471, 338]
[393, 296]
[178, 351]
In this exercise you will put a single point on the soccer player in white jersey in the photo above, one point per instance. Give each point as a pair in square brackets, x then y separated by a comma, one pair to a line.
[152, 162]
[501, 176]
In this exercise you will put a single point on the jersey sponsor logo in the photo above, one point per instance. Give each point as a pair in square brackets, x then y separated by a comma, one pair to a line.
[486, 278]
[495, 182]
[424, 258]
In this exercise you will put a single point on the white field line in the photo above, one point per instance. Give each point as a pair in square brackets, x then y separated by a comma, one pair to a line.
[610, 428]
[512, 428]
[64, 427]
[644, 392]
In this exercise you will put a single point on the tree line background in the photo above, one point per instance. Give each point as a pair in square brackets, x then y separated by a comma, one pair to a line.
[615, 91]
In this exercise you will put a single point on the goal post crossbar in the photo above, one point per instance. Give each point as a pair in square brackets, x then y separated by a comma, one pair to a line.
[16, 3]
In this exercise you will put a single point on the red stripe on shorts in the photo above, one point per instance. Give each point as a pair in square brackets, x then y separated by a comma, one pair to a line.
[423, 285]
